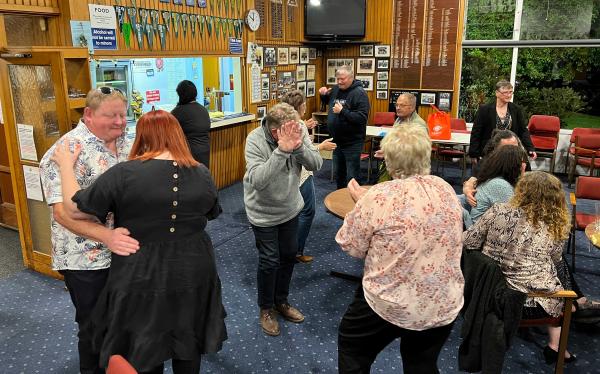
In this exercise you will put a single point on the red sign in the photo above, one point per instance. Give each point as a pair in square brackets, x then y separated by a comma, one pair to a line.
[152, 96]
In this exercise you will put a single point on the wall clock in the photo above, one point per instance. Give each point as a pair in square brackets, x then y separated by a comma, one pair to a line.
[253, 19]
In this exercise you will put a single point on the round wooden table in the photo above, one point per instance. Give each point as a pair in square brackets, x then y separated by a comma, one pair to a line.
[339, 202]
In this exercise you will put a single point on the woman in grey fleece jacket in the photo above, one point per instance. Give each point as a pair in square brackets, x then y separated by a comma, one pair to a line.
[275, 154]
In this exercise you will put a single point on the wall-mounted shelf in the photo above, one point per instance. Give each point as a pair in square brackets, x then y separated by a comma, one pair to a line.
[337, 42]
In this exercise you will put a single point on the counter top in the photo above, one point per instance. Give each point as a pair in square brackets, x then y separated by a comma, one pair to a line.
[231, 120]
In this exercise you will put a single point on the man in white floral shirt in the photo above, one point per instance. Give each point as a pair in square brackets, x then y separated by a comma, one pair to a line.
[84, 263]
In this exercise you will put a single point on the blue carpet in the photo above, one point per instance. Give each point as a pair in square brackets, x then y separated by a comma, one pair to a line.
[38, 335]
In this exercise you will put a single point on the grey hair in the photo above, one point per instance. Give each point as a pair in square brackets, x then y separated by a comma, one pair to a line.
[410, 97]
[347, 69]
[503, 84]
[280, 114]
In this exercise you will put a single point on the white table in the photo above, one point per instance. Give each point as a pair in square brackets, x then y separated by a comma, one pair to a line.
[457, 138]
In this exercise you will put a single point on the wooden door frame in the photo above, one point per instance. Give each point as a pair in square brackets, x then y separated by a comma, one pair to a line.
[37, 261]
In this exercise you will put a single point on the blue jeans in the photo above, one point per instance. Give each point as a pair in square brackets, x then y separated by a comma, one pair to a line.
[277, 246]
[346, 162]
[306, 215]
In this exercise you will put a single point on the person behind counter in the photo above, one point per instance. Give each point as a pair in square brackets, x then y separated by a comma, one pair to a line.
[194, 121]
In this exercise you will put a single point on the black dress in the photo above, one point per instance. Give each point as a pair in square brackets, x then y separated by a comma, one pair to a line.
[195, 123]
[164, 301]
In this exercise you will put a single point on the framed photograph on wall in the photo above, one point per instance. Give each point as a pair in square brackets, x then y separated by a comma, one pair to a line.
[310, 89]
[365, 65]
[294, 55]
[282, 56]
[427, 98]
[265, 95]
[366, 50]
[383, 64]
[312, 53]
[366, 80]
[382, 95]
[261, 111]
[302, 87]
[304, 55]
[310, 72]
[382, 85]
[382, 50]
[270, 57]
[300, 72]
[382, 76]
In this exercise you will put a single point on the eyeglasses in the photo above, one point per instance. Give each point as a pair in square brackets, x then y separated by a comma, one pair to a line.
[402, 105]
[505, 92]
[109, 90]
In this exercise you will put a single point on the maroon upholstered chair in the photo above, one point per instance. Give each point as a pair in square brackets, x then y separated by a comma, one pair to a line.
[444, 153]
[544, 132]
[578, 131]
[384, 118]
[586, 153]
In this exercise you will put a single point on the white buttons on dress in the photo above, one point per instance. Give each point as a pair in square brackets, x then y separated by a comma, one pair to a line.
[175, 176]
[173, 216]
[174, 163]
[172, 229]
[174, 203]
[175, 189]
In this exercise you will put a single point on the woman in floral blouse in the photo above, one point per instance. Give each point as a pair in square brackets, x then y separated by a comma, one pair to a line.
[409, 231]
[526, 237]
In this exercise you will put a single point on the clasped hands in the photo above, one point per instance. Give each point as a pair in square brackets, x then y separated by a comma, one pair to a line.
[289, 136]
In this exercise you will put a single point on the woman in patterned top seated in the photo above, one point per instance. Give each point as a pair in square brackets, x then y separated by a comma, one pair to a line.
[526, 237]
[409, 231]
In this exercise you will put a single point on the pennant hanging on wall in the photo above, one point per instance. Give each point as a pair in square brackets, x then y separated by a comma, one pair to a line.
[209, 25]
[154, 18]
[193, 20]
[120, 10]
[201, 21]
[184, 23]
[176, 17]
[127, 34]
[132, 13]
[143, 18]
[150, 35]
[139, 34]
[217, 25]
[167, 19]
[162, 36]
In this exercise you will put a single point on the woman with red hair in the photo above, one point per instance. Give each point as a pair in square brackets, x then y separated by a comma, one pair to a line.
[163, 300]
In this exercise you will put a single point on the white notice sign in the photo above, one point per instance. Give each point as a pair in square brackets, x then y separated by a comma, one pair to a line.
[103, 20]
[26, 142]
[33, 186]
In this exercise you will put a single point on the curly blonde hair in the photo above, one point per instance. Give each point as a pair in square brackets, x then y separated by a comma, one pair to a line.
[540, 195]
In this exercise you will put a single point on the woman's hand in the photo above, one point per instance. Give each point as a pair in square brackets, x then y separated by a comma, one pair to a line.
[311, 123]
[327, 145]
[63, 156]
[356, 191]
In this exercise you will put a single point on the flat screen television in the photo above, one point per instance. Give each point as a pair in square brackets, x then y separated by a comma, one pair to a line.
[334, 19]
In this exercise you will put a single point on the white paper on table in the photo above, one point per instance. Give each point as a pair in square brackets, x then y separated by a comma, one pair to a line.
[26, 142]
[33, 185]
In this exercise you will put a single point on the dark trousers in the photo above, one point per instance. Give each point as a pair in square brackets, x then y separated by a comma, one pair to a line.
[84, 287]
[307, 214]
[277, 246]
[363, 334]
[179, 367]
[346, 163]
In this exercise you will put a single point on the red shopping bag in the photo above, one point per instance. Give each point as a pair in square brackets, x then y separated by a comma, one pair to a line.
[439, 125]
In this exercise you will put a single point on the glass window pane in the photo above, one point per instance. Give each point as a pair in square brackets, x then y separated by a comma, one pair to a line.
[560, 81]
[481, 69]
[553, 20]
[490, 20]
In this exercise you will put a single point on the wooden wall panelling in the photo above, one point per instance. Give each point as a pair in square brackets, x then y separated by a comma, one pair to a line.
[229, 143]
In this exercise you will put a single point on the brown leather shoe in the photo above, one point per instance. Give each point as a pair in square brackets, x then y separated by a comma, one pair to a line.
[305, 259]
[268, 322]
[290, 313]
